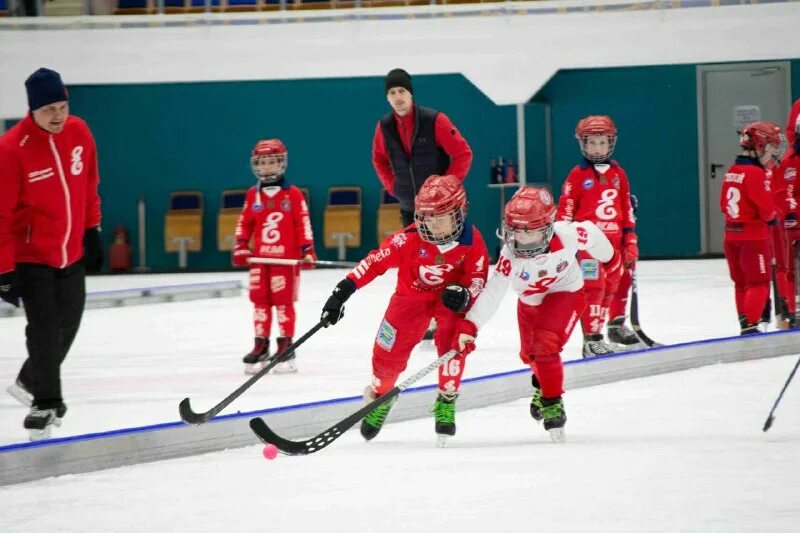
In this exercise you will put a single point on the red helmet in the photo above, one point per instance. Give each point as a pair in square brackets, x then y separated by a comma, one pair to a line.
[596, 125]
[274, 150]
[528, 221]
[439, 196]
[765, 139]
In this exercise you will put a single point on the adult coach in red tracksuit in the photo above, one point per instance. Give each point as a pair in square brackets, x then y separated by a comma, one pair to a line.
[413, 142]
[749, 210]
[49, 221]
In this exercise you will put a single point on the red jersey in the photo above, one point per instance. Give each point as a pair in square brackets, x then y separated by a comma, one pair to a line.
[48, 193]
[276, 217]
[746, 201]
[425, 269]
[791, 122]
[784, 181]
[599, 193]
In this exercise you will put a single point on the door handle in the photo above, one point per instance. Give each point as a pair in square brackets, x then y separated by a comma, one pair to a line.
[714, 168]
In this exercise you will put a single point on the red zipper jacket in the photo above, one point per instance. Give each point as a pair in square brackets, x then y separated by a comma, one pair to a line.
[48, 193]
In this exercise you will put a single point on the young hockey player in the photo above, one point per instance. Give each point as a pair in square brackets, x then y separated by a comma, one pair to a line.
[442, 265]
[749, 210]
[597, 191]
[541, 260]
[275, 216]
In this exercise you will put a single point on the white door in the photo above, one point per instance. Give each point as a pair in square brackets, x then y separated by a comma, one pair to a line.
[730, 96]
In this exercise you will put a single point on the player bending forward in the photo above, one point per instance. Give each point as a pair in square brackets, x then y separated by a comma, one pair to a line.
[442, 266]
[539, 261]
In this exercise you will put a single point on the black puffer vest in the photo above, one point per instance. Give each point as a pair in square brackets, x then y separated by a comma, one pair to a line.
[426, 157]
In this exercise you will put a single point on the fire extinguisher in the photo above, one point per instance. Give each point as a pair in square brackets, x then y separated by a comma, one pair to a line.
[119, 253]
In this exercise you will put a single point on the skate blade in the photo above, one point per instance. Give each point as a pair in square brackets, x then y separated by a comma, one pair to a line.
[557, 435]
[427, 346]
[281, 369]
[250, 369]
[20, 395]
[40, 434]
[441, 440]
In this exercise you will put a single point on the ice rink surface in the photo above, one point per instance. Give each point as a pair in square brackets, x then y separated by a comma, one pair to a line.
[677, 452]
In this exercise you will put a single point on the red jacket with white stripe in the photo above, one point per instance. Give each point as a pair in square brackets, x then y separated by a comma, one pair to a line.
[48, 193]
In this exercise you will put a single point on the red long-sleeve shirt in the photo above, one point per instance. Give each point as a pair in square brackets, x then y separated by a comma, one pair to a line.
[446, 135]
[48, 193]
[791, 124]
[746, 201]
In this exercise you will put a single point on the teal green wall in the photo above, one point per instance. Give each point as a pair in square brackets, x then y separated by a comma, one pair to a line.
[655, 111]
[170, 137]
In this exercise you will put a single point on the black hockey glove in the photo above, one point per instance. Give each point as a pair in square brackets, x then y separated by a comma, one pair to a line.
[333, 310]
[9, 290]
[92, 250]
[455, 298]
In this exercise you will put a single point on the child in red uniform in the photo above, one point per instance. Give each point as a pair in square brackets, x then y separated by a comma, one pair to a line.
[597, 191]
[749, 210]
[275, 216]
[442, 265]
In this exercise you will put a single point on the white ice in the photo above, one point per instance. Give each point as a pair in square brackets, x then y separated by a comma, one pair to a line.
[677, 452]
[131, 366]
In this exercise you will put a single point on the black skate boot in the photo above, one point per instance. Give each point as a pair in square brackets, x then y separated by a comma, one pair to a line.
[444, 412]
[747, 328]
[260, 352]
[554, 418]
[40, 422]
[621, 334]
[594, 345]
[373, 422]
[536, 401]
[289, 364]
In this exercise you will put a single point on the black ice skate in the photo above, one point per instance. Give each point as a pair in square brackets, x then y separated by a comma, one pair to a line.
[40, 422]
[619, 333]
[254, 361]
[555, 417]
[373, 422]
[747, 328]
[288, 365]
[594, 345]
[444, 412]
[536, 400]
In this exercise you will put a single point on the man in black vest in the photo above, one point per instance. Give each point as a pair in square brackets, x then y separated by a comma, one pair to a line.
[412, 143]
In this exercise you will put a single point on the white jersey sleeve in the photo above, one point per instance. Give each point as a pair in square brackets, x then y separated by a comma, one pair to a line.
[593, 240]
[488, 301]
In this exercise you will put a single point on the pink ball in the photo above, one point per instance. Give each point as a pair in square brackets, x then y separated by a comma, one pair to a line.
[270, 451]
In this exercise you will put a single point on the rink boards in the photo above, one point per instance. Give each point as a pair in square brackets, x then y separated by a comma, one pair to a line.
[86, 453]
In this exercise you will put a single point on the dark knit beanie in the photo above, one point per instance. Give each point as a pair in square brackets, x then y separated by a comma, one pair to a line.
[398, 78]
[45, 87]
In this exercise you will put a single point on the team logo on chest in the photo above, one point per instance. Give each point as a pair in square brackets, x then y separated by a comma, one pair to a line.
[286, 205]
[588, 183]
[433, 274]
[562, 266]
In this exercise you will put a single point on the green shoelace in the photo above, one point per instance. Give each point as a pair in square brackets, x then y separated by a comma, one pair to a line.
[377, 417]
[553, 411]
[444, 412]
